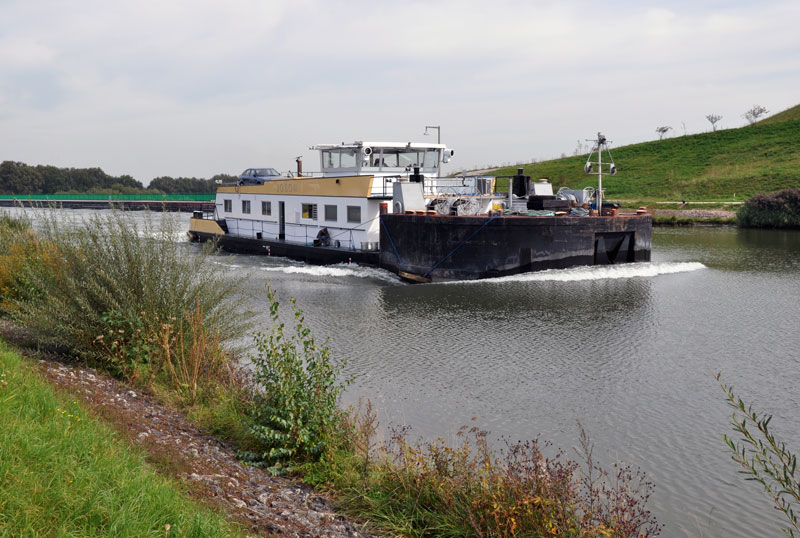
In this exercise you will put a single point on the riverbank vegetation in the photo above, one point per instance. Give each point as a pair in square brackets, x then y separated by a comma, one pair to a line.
[128, 300]
[777, 210]
[62, 473]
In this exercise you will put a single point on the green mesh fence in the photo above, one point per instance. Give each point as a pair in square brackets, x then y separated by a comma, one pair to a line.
[112, 197]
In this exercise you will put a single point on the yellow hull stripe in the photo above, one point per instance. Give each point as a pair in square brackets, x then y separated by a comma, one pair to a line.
[205, 226]
[354, 186]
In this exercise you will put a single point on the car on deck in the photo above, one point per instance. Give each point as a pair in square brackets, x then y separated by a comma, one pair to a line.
[257, 176]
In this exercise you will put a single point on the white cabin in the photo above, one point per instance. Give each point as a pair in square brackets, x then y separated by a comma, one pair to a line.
[358, 181]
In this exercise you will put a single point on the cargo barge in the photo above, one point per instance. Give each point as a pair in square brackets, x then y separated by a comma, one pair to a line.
[385, 205]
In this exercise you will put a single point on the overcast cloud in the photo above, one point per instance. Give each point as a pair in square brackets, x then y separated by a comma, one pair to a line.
[195, 88]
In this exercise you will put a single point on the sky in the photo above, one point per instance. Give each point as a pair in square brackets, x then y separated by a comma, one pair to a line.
[195, 88]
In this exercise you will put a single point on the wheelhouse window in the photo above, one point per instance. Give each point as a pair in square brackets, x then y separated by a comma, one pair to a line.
[404, 158]
[331, 213]
[348, 158]
[354, 213]
[310, 211]
[246, 207]
[340, 158]
[228, 206]
[266, 208]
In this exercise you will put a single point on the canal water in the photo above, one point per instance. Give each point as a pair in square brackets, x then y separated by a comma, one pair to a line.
[630, 352]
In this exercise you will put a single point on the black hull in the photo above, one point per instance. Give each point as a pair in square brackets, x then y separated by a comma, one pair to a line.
[468, 248]
[424, 248]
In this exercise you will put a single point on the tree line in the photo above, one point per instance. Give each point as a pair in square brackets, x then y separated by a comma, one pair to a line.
[21, 178]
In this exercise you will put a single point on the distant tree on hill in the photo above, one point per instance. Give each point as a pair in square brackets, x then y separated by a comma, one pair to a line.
[662, 131]
[754, 113]
[713, 119]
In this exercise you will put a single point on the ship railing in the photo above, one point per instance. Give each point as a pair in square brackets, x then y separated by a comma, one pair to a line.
[302, 234]
[207, 214]
[459, 185]
[383, 186]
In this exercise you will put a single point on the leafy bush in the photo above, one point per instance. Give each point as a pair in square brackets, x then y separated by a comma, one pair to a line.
[118, 287]
[777, 210]
[295, 409]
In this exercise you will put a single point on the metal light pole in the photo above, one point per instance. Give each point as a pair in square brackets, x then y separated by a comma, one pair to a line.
[438, 141]
[438, 132]
[599, 198]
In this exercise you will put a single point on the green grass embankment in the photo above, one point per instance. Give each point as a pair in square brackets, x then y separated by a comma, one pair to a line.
[726, 165]
[63, 473]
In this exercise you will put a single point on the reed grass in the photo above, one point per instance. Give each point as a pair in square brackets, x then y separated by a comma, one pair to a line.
[64, 474]
[119, 287]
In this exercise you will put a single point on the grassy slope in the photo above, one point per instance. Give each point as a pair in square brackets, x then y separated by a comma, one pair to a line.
[786, 115]
[64, 474]
[711, 166]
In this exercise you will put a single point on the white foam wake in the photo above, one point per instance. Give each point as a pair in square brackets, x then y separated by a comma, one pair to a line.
[601, 272]
[339, 270]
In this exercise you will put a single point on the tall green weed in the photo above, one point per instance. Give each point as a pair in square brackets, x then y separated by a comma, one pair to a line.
[295, 411]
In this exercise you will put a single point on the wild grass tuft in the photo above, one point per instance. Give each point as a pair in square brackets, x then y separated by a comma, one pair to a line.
[130, 298]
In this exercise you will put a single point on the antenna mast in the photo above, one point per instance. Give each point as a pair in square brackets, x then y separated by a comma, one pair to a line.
[600, 144]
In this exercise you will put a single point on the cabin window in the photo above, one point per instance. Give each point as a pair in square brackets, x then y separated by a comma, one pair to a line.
[348, 158]
[330, 159]
[310, 211]
[330, 213]
[354, 213]
[228, 206]
[246, 207]
[431, 158]
[266, 208]
[339, 158]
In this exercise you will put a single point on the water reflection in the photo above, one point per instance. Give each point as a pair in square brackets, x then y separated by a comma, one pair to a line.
[733, 249]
